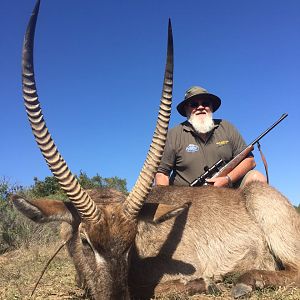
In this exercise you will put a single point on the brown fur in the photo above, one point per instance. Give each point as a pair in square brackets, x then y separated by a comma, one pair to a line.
[254, 231]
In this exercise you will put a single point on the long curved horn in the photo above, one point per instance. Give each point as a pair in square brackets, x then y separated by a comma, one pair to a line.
[82, 201]
[137, 196]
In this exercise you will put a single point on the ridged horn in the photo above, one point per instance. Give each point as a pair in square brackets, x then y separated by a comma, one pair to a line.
[68, 182]
[142, 187]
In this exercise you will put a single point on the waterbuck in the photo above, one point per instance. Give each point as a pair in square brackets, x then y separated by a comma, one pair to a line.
[162, 239]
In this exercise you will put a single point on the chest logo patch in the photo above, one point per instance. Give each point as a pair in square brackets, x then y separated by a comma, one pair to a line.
[192, 148]
[221, 143]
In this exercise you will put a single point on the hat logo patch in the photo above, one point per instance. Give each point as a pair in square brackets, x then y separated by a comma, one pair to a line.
[192, 148]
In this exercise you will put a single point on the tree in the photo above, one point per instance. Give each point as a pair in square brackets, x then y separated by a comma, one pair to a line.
[98, 181]
[116, 183]
[50, 185]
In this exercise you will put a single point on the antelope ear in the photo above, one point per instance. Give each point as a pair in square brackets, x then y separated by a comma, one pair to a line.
[45, 210]
[158, 213]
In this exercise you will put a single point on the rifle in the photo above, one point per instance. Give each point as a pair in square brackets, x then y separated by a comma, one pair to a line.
[215, 170]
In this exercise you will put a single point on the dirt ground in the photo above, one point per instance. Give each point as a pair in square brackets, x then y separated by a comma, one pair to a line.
[20, 270]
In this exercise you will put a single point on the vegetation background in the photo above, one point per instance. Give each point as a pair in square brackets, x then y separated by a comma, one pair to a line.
[26, 247]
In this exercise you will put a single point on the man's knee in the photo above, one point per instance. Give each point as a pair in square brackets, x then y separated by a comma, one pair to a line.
[257, 176]
[253, 175]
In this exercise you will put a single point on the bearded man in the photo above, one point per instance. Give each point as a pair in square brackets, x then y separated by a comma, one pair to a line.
[200, 142]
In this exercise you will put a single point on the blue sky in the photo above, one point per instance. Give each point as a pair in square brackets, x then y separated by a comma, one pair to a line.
[99, 69]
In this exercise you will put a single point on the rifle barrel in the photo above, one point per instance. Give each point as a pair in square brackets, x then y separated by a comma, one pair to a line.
[269, 129]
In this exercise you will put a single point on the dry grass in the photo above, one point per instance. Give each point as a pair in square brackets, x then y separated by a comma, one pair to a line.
[19, 271]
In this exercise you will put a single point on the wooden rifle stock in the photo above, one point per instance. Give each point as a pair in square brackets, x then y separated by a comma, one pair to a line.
[234, 162]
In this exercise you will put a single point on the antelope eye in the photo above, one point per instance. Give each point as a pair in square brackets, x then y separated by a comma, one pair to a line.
[84, 240]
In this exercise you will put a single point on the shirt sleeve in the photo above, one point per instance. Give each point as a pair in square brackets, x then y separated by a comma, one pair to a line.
[168, 159]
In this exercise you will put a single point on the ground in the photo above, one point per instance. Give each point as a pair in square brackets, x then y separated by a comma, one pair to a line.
[20, 270]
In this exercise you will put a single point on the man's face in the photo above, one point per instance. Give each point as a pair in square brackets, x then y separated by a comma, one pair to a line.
[198, 107]
[199, 114]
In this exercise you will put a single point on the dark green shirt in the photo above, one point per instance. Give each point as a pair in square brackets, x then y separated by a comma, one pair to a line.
[186, 154]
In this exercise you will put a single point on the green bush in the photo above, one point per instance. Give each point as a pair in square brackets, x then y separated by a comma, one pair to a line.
[98, 181]
[49, 187]
[46, 187]
[16, 230]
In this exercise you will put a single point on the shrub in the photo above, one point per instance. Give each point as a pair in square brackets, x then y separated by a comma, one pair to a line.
[15, 229]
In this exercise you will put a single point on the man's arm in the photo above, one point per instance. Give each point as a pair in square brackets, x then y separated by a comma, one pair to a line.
[237, 173]
[167, 162]
[238, 145]
[161, 179]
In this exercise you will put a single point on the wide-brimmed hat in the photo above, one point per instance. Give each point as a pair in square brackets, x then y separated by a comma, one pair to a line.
[197, 92]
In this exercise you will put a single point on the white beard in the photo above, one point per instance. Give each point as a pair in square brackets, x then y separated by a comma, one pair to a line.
[201, 124]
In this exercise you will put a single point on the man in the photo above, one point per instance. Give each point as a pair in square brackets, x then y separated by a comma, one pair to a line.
[201, 141]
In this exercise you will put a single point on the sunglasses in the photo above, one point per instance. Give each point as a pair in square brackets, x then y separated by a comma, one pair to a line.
[196, 104]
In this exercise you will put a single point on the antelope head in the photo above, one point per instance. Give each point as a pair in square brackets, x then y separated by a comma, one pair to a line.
[102, 230]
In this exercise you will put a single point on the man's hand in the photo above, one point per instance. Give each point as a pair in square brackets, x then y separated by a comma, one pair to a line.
[161, 179]
[219, 181]
[238, 172]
